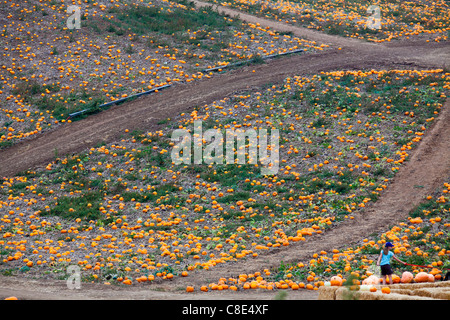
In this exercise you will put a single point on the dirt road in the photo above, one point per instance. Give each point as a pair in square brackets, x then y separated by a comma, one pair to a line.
[26, 289]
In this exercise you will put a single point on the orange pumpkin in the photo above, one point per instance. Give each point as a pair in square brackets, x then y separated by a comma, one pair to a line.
[421, 277]
[11, 298]
[204, 288]
[407, 277]
[189, 289]
[430, 278]
[394, 278]
[336, 281]
[386, 290]
[435, 272]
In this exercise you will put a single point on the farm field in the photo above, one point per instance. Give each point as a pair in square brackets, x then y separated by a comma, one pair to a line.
[49, 71]
[388, 20]
[363, 154]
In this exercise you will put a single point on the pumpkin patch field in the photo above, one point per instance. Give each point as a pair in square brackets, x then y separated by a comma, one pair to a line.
[50, 71]
[374, 21]
[124, 215]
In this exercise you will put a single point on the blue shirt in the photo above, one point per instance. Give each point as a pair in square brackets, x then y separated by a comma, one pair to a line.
[386, 258]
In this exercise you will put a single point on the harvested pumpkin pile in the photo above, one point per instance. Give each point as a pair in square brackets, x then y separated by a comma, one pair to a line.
[417, 289]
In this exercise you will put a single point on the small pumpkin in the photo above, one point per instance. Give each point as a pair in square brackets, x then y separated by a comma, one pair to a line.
[395, 278]
[392, 279]
[204, 288]
[189, 289]
[386, 290]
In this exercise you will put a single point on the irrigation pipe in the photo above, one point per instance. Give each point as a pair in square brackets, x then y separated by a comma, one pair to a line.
[79, 113]
[248, 61]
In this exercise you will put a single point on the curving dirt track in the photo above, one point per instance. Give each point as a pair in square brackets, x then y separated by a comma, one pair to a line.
[428, 165]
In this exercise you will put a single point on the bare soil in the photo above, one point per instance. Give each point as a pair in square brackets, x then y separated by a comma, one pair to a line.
[428, 165]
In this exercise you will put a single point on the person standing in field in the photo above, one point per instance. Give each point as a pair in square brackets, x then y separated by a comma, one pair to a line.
[384, 261]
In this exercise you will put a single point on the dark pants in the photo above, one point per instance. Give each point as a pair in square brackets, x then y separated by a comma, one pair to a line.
[386, 270]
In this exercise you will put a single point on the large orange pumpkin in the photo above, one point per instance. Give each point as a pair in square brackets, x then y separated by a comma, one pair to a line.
[421, 277]
[407, 277]
[336, 281]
